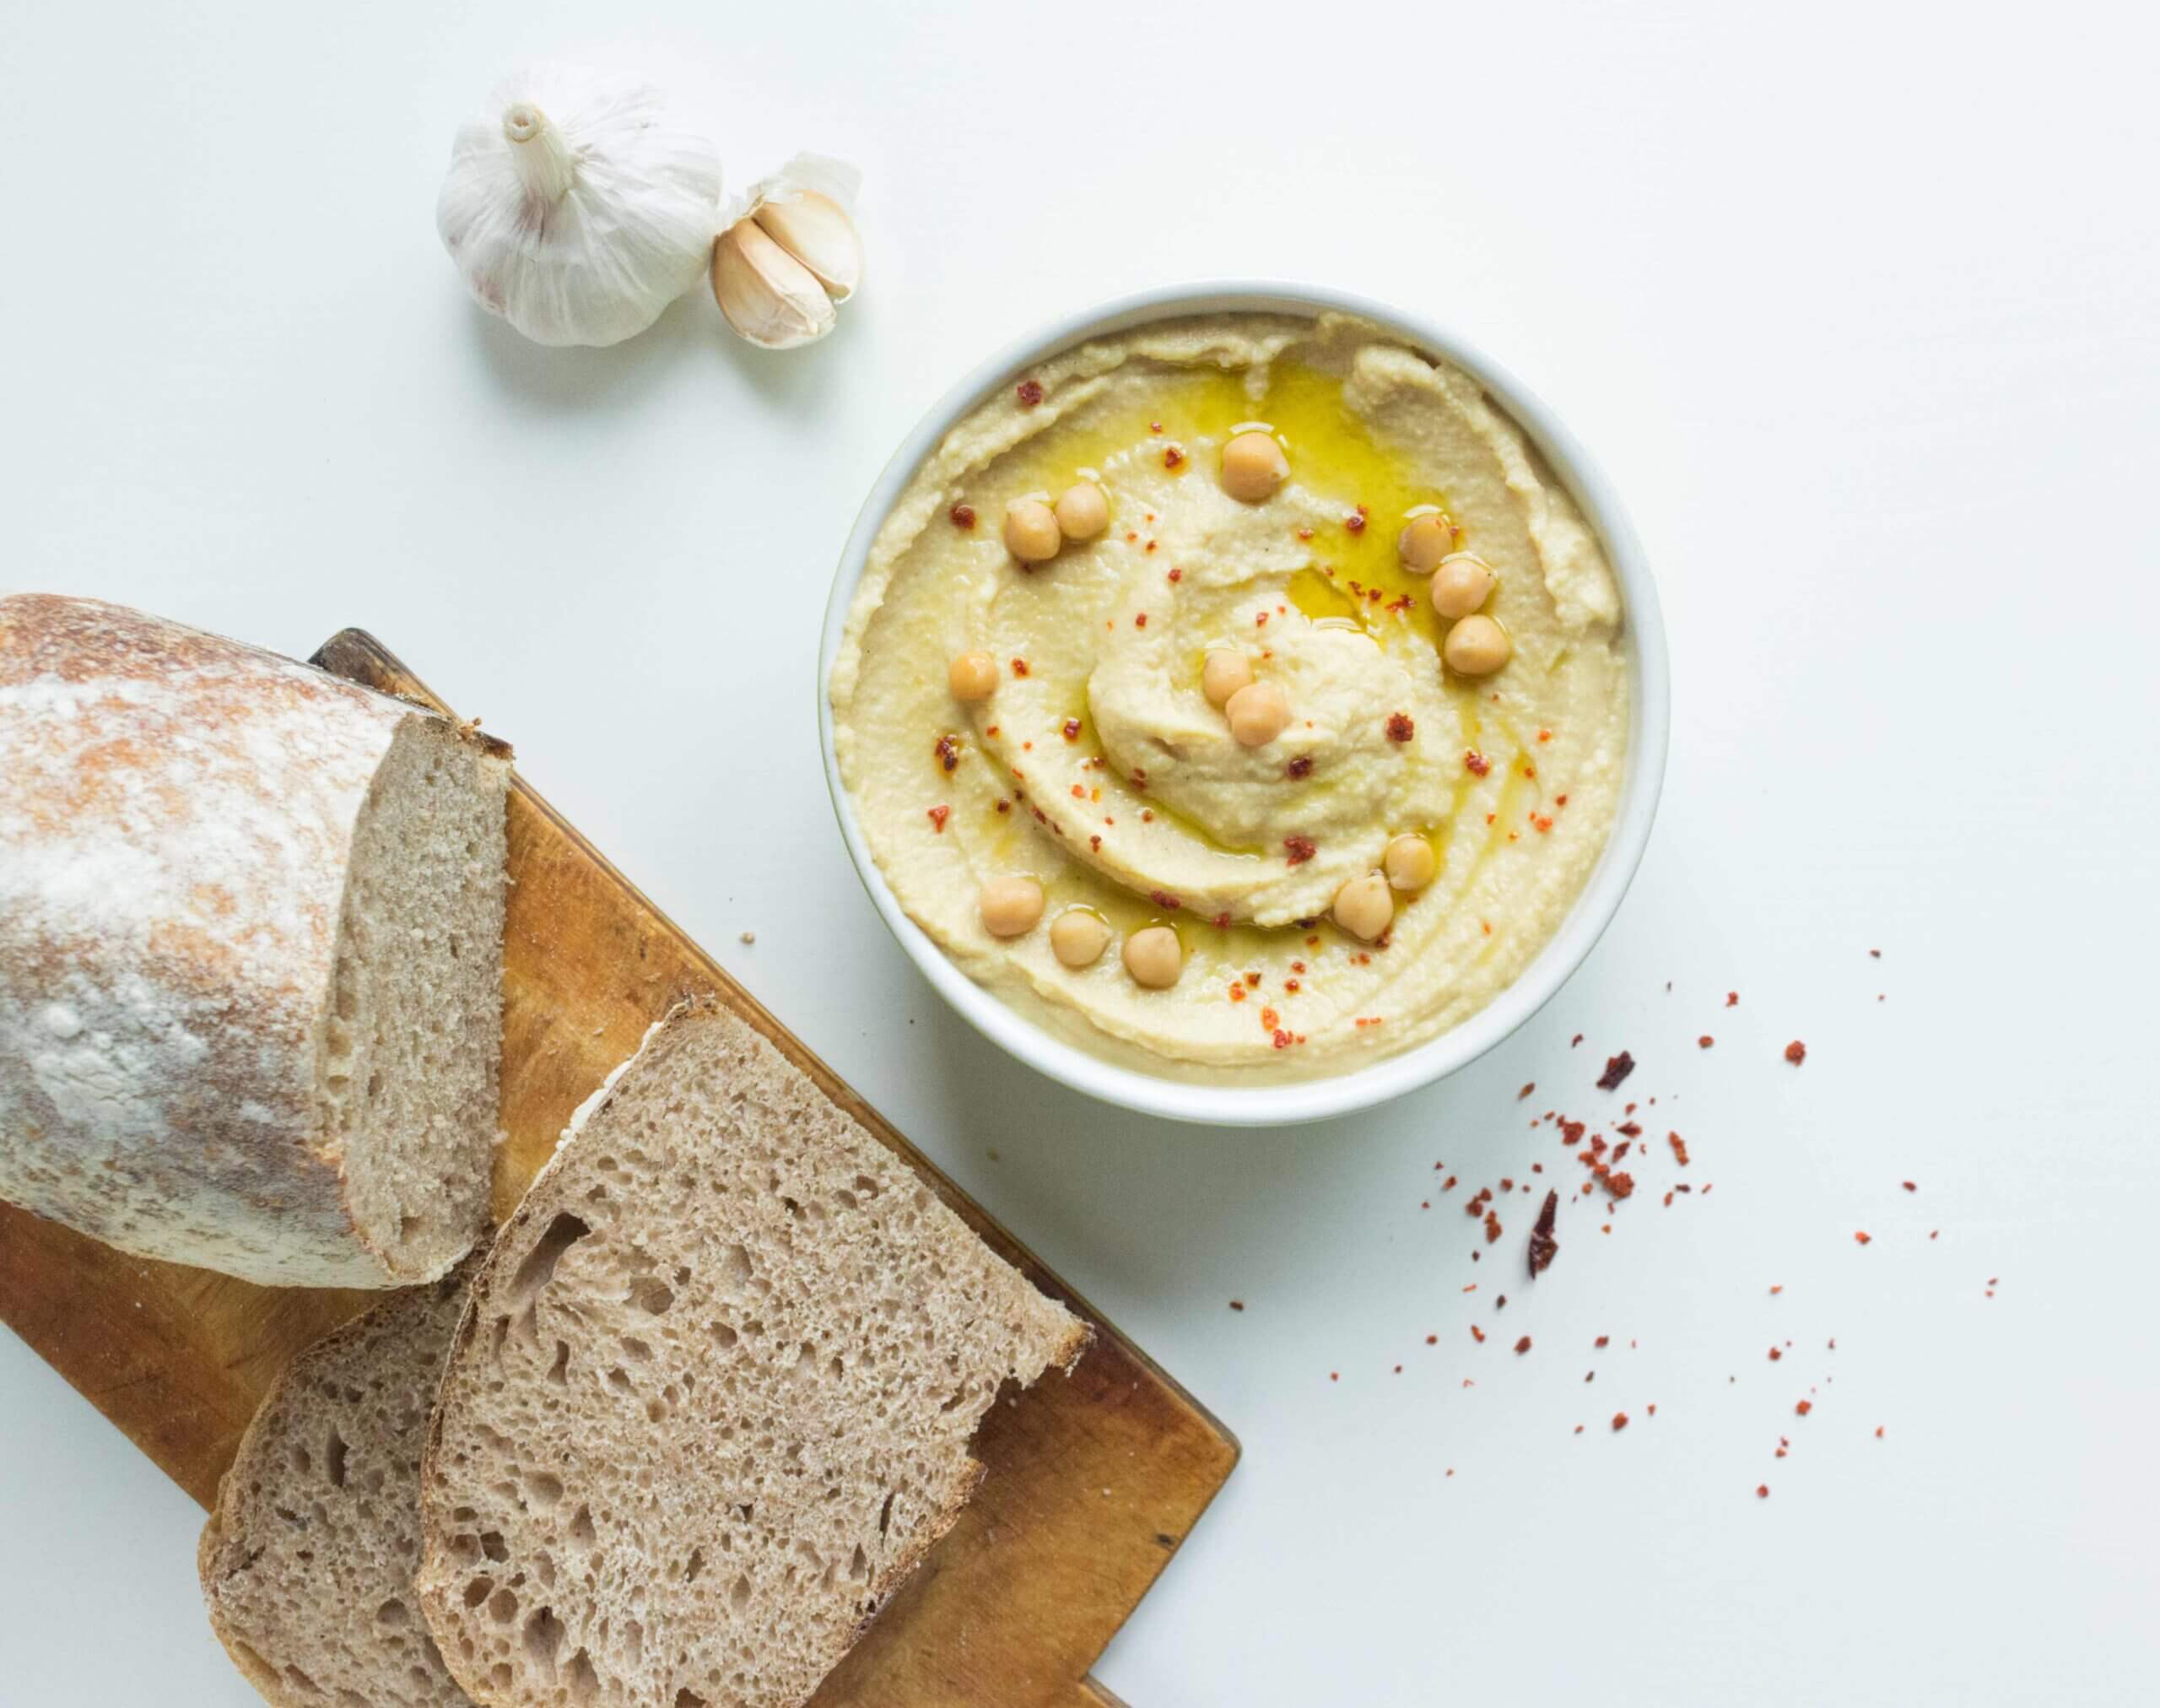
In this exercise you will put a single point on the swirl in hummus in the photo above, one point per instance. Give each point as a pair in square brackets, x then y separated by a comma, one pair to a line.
[1032, 713]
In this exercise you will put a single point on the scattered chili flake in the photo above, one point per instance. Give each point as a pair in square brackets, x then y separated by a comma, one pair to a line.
[1478, 1333]
[1163, 898]
[1863, 1239]
[1299, 768]
[1476, 762]
[1544, 1245]
[1222, 920]
[1072, 729]
[1176, 574]
[1356, 523]
[1031, 393]
[1237, 992]
[1616, 1068]
[1876, 954]
[1909, 1186]
[1795, 1052]
[1619, 1420]
[1237, 1304]
[1526, 1091]
[1173, 456]
[961, 515]
[1775, 1354]
[1435, 1340]
[1601, 1340]
[948, 751]
[1019, 667]
[1777, 1288]
[939, 815]
[1004, 805]
[1400, 727]
[1732, 999]
[1803, 1408]
[1620, 1183]
[1679, 1149]
[1522, 1345]
[1095, 844]
[1300, 848]
[1762, 1491]
[1491, 1227]
[1705, 1042]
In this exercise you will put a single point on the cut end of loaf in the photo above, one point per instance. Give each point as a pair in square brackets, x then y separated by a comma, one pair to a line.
[713, 1399]
[408, 1053]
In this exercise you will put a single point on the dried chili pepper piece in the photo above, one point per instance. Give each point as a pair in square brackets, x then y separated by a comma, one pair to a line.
[1544, 1247]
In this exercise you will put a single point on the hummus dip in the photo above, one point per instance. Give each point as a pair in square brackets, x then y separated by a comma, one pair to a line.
[1350, 856]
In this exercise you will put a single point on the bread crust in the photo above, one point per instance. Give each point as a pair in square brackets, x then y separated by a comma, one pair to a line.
[176, 820]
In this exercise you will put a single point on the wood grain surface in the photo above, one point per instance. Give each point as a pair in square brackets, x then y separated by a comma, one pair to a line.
[1093, 1481]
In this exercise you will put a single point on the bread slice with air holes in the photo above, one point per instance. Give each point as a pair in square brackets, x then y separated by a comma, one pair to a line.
[712, 1399]
[307, 1559]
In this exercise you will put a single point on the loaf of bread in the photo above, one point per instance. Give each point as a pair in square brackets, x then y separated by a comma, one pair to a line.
[712, 1397]
[307, 1559]
[250, 954]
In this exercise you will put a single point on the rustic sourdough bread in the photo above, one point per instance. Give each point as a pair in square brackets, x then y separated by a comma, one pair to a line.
[307, 1559]
[250, 954]
[712, 1399]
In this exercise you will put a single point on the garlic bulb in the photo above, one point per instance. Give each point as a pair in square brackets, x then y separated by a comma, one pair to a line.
[788, 254]
[575, 208]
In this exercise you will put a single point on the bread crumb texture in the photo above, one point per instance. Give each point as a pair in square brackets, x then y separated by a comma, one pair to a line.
[713, 1398]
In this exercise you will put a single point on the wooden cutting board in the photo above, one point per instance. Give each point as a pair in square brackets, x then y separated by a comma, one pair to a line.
[1093, 1480]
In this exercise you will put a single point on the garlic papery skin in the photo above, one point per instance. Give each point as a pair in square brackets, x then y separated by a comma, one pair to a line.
[575, 207]
[768, 296]
[788, 251]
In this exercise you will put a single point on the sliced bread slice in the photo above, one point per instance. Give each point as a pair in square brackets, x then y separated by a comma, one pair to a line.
[307, 1559]
[713, 1398]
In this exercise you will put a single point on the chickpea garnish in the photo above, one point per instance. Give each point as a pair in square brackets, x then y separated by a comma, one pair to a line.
[1031, 530]
[1010, 905]
[1425, 542]
[1365, 907]
[1253, 467]
[1258, 713]
[1154, 957]
[1476, 647]
[1409, 861]
[1463, 582]
[1082, 511]
[1226, 671]
[973, 676]
[1078, 938]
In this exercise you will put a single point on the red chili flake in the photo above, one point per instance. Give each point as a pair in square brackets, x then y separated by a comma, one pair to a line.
[1356, 523]
[1571, 1131]
[1803, 1408]
[1269, 1018]
[1875, 953]
[1522, 1345]
[1004, 805]
[1621, 1184]
[1909, 1186]
[1705, 1042]
[1400, 727]
[1095, 844]
[1543, 1246]
[1863, 1239]
[1478, 1333]
[1795, 1052]
[1762, 1491]
[1222, 920]
[1602, 1340]
[1019, 667]
[1633, 1129]
[1164, 899]
[1176, 574]
[1140, 621]
[1879, 1432]
[1079, 794]
[1526, 1091]
[1252, 980]
[1072, 729]
[1619, 1420]
[1679, 1150]
[1299, 768]
[1237, 1304]
[1154, 426]
[1732, 999]
[961, 515]
[1476, 762]
[1281, 1039]
[1300, 848]
[948, 751]
[1775, 1354]
[1237, 993]
[1291, 985]
[1435, 1340]
[1031, 393]
[1616, 1068]
[1173, 456]
[939, 815]
[1491, 1227]
[1778, 1289]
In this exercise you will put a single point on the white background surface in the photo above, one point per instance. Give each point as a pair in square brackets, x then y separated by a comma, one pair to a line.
[1860, 311]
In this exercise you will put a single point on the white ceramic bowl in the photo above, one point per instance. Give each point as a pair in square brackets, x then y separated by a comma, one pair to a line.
[1643, 635]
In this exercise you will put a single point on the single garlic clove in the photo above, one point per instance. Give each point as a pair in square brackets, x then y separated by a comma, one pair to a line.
[815, 231]
[769, 296]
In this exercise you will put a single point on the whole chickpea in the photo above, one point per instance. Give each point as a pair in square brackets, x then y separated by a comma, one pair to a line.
[1462, 582]
[1425, 542]
[1253, 467]
[1409, 861]
[1082, 511]
[1078, 938]
[1258, 713]
[1154, 957]
[1031, 530]
[1226, 671]
[973, 676]
[1010, 905]
[1365, 907]
[1476, 647]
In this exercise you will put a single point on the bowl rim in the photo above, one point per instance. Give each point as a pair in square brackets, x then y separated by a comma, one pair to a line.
[1294, 1101]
